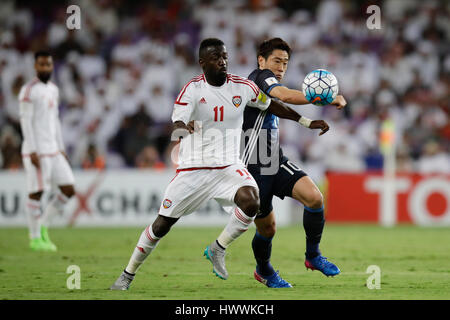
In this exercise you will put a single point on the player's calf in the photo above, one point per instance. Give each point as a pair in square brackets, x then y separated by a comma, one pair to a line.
[34, 213]
[54, 207]
[148, 241]
[237, 225]
[146, 244]
[247, 200]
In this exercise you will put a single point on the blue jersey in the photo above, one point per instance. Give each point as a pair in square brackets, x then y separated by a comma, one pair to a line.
[262, 126]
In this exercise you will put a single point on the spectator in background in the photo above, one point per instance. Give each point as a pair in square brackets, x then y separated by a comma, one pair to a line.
[433, 159]
[92, 159]
[10, 143]
[148, 158]
[132, 137]
[341, 159]
[404, 161]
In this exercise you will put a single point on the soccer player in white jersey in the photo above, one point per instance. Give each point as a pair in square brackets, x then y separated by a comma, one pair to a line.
[208, 116]
[43, 155]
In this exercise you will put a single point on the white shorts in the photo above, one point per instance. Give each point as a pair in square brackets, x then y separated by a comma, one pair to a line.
[191, 188]
[55, 170]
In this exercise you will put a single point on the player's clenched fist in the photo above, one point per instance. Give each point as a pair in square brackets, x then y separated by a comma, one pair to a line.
[319, 124]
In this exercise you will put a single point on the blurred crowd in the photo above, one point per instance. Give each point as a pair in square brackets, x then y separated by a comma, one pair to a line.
[120, 73]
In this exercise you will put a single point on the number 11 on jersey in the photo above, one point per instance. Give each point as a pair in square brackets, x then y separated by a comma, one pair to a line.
[216, 113]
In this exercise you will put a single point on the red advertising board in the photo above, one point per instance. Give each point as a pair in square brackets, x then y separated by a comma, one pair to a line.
[358, 197]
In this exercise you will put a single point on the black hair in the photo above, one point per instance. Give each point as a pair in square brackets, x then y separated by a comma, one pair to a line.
[209, 42]
[41, 53]
[266, 48]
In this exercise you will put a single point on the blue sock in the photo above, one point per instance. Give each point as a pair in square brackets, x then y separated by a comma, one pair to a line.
[262, 249]
[313, 222]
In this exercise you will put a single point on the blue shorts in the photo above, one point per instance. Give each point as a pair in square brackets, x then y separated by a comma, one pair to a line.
[280, 184]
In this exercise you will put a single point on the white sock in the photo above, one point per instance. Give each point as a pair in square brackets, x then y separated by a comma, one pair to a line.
[237, 225]
[147, 242]
[33, 210]
[54, 207]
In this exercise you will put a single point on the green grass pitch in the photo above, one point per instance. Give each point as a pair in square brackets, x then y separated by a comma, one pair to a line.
[414, 263]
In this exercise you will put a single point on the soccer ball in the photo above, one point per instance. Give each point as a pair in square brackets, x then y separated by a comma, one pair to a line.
[320, 87]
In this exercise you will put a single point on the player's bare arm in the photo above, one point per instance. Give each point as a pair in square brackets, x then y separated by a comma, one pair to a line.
[285, 112]
[297, 97]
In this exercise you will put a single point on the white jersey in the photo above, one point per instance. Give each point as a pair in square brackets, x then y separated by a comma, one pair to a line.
[39, 118]
[218, 115]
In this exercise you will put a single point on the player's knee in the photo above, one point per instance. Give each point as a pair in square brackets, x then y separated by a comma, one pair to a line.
[250, 206]
[268, 230]
[315, 201]
[35, 196]
[247, 199]
[161, 226]
[68, 191]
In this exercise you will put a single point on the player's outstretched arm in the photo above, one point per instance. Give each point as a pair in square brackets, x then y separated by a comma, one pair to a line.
[297, 97]
[285, 112]
[287, 95]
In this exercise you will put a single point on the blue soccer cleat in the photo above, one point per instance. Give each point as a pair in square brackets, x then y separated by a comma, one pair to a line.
[323, 265]
[273, 281]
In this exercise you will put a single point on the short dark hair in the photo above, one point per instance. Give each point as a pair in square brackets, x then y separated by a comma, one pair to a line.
[209, 42]
[266, 48]
[41, 53]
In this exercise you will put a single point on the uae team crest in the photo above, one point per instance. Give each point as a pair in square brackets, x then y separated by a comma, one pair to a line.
[167, 203]
[237, 100]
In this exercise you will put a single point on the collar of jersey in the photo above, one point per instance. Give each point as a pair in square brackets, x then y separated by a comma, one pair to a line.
[215, 87]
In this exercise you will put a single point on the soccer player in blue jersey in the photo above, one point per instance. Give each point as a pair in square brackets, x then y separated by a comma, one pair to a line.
[274, 173]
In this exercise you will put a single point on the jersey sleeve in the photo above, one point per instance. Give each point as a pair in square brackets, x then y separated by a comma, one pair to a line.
[26, 94]
[258, 99]
[59, 137]
[266, 81]
[184, 104]
[26, 112]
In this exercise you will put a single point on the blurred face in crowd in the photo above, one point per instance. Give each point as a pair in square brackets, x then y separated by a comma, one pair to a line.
[214, 63]
[277, 62]
[44, 68]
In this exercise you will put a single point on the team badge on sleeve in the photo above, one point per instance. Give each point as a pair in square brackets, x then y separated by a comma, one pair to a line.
[167, 203]
[270, 81]
[237, 100]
